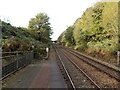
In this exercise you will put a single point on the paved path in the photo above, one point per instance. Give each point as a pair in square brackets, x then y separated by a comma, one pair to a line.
[39, 74]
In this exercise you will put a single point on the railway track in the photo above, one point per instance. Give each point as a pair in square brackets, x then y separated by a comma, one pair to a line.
[109, 70]
[76, 77]
[103, 75]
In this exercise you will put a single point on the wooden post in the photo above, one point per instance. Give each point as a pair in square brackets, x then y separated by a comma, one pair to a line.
[118, 53]
[17, 59]
[0, 54]
[118, 58]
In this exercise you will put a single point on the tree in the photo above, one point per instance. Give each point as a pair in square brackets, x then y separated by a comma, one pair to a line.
[41, 26]
[97, 30]
[69, 36]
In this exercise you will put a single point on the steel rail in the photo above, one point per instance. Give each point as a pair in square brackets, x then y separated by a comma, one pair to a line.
[89, 78]
[69, 77]
[93, 82]
[77, 55]
[98, 61]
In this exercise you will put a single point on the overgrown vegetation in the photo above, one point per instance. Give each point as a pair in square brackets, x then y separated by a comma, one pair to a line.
[96, 32]
[36, 37]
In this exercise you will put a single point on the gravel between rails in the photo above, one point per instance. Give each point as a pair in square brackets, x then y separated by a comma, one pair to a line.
[102, 79]
[113, 72]
[80, 81]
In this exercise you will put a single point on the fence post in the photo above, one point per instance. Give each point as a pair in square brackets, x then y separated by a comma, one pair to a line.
[17, 59]
[118, 57]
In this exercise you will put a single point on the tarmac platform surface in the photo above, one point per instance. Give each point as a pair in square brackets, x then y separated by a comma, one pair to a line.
[39, 74]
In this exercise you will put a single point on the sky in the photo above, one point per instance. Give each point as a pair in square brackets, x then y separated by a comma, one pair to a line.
[62, 13]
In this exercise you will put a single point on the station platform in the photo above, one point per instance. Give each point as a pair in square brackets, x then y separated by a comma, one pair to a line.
[39, 74]
[49, 77]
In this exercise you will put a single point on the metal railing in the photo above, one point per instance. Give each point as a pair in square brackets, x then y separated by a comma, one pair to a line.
[22, 59]
[12, 54]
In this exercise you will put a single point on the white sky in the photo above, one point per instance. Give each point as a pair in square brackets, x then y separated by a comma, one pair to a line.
[62, 13]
